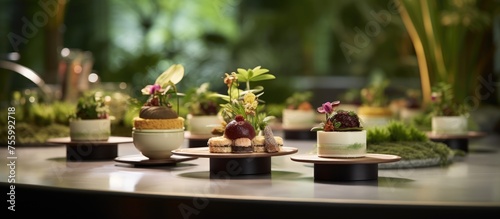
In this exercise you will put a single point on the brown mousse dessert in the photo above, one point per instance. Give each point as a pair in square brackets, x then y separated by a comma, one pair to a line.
[157, 117]
[343, 121]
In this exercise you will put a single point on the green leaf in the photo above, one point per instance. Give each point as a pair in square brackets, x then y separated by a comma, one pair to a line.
[174, 74]
[242, 75]
[263, 77]
[258, 71]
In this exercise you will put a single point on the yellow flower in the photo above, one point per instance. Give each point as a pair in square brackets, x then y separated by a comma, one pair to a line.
[249, 97]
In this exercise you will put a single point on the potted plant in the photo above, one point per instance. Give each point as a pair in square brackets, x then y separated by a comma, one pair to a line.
[159, 129]
[245, 102]
[375, 110]
[341, 135]
[91, 120]
[448, 115]
[298, 112]
[203, 107]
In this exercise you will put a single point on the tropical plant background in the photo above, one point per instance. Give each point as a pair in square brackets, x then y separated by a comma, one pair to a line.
[331, 48]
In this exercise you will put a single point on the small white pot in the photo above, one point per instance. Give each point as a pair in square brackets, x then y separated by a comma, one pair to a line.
[449, 124]
[348, 144]
[158, 144]
[202, 125]
[90, 129]
[298, 119]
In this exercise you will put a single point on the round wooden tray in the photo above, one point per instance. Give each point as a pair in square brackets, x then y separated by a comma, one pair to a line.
[204, 152]
[468, 135]
[346, 169]
[236, 164]
[456, 141]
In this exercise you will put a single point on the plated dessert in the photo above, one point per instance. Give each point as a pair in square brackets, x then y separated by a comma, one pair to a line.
[341, 135]
[240, 137]
[159, 129]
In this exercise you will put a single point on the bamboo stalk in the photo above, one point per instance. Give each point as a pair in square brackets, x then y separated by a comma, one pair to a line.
[420, 53]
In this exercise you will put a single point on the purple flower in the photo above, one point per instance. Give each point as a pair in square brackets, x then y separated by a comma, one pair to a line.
[328, 107]
[155, 88]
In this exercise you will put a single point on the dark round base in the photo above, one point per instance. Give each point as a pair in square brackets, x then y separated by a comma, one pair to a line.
[455, 143]
[196, 143]
[345, 172]
[91, 152]
[299, 134]
[240, 166]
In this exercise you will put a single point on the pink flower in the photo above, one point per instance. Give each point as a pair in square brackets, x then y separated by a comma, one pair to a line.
[328, 107]
[151, 89]
[154, 89]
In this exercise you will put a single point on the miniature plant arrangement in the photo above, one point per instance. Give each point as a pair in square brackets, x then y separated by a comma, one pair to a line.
[448, 116]
[245, 127]
[341, 134]
[159, 129]
[203, 108]
[411, 144]
[246, 102]
[374, 110]
[91, 119]
[298, 112]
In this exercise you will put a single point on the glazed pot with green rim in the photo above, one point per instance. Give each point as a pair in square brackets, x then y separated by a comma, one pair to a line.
[89, 129]
[202, 124]
[449, 124]
[341, 144]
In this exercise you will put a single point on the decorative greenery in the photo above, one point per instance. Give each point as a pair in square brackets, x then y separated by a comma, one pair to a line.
[337, 120]
[164, 87]
[374, 95]
[246, 102]
[447, 37]
[395, 131]
[299, 101]
[407, 142]
[201, 100]
[414, 150]
[91, 106]
[444, 102]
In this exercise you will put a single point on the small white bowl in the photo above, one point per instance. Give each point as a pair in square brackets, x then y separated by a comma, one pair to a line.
[158, 145]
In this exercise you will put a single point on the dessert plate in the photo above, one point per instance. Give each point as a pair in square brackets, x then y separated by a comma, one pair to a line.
[470, 134]
[204, 152]
[141, 160]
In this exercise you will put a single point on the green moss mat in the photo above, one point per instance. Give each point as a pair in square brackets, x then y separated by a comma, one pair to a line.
[411, 150]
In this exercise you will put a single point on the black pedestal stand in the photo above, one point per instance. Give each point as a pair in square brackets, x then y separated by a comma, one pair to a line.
[345, 172]
[91, 150]
[299, 134]
[455, 143]
[240, 166]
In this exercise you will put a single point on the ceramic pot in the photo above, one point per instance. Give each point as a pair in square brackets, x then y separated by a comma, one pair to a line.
[90, 129]
[349, 144]
[449, 124]
[158, 144]
[298, 119]
[202, 125]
